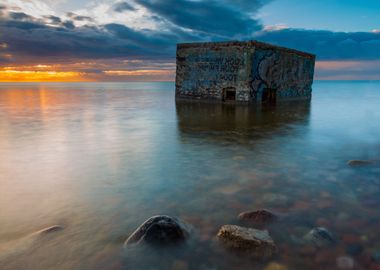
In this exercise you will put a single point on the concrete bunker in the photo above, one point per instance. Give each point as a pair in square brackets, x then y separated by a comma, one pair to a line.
[242, 72]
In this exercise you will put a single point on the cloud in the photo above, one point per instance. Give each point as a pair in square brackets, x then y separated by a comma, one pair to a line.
[211, 17]
[74, 38]
[327, 44]
[123, 6]
[76, 17]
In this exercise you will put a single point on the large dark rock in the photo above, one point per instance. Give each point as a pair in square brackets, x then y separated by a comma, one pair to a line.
[255, 243]
[259, 217]
[159, 230]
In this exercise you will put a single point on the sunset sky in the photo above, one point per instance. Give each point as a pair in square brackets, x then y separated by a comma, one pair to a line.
[113, 40]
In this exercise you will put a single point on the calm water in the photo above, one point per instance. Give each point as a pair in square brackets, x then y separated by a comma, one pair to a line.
[99, 159]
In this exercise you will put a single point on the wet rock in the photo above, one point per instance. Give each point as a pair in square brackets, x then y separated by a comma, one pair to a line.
[357, 163]
[162, 230]
[275, 266]
[345, 263]
[259, 217]
[319, 237]
[255, 243]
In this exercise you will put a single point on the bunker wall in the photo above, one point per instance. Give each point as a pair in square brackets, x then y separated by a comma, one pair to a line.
[289, 75]
[214, 73]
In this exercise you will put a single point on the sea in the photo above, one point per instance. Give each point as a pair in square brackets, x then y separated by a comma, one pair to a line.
[98, 159]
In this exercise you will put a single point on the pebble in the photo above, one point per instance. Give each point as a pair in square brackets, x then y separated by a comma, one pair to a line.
[275, 266]
[180, 265]
[319, 237]
[345, 263]
[354, 249]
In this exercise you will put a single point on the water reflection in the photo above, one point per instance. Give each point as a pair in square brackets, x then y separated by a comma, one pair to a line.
[240, 123]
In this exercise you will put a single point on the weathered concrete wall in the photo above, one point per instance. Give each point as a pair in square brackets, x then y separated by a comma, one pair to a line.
[291, 74]
[203, 72]
[241, 71]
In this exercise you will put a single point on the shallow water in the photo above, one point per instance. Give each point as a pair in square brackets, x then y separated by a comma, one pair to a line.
[101, 158]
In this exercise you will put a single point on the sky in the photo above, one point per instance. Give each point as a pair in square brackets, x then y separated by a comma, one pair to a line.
[135, 40]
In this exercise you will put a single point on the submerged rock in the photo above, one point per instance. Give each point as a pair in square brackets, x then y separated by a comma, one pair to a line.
[319, 237]
[256, 243]
[49, 230]
[357, 162]
[19, 246]
[259, 217]
[159, 230]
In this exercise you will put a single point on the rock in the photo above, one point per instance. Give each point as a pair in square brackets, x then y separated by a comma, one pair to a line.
[163, 230]
[260, 217]
[319, 237]
[355, 163]
[345, 262]
[19, 246]
[255, 243]
[275, 266]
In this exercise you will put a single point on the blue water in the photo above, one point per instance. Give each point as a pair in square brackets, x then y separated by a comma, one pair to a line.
[100, 158]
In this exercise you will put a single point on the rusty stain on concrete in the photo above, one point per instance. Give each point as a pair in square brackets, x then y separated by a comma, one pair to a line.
[242, 72]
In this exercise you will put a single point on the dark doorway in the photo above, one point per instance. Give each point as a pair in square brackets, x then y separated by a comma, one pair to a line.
[229, 94]
[269, 96]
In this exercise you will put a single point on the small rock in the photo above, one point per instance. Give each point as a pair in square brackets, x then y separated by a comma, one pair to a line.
[355, 163]
[256, 243]
[260, 217]
[319, 237]
[345, 263]
[159, 230]
[275, 266]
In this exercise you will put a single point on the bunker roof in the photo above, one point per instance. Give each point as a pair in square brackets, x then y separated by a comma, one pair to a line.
[250, 43]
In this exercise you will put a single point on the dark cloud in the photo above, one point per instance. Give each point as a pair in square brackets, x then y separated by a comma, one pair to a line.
[211, 17]
[68, 24]
[123, 6]
[53, 19]
[76, 17]
[327, 44]
[19, 16]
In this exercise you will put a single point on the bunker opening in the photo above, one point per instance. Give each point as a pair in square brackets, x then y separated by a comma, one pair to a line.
[269, 96]
[229, 94]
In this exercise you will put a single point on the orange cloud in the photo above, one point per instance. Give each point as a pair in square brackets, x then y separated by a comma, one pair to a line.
[11, 75]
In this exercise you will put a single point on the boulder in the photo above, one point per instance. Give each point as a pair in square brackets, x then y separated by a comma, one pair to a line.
[259, 217]
[255, 243]
[319, 237]
[159, 230]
